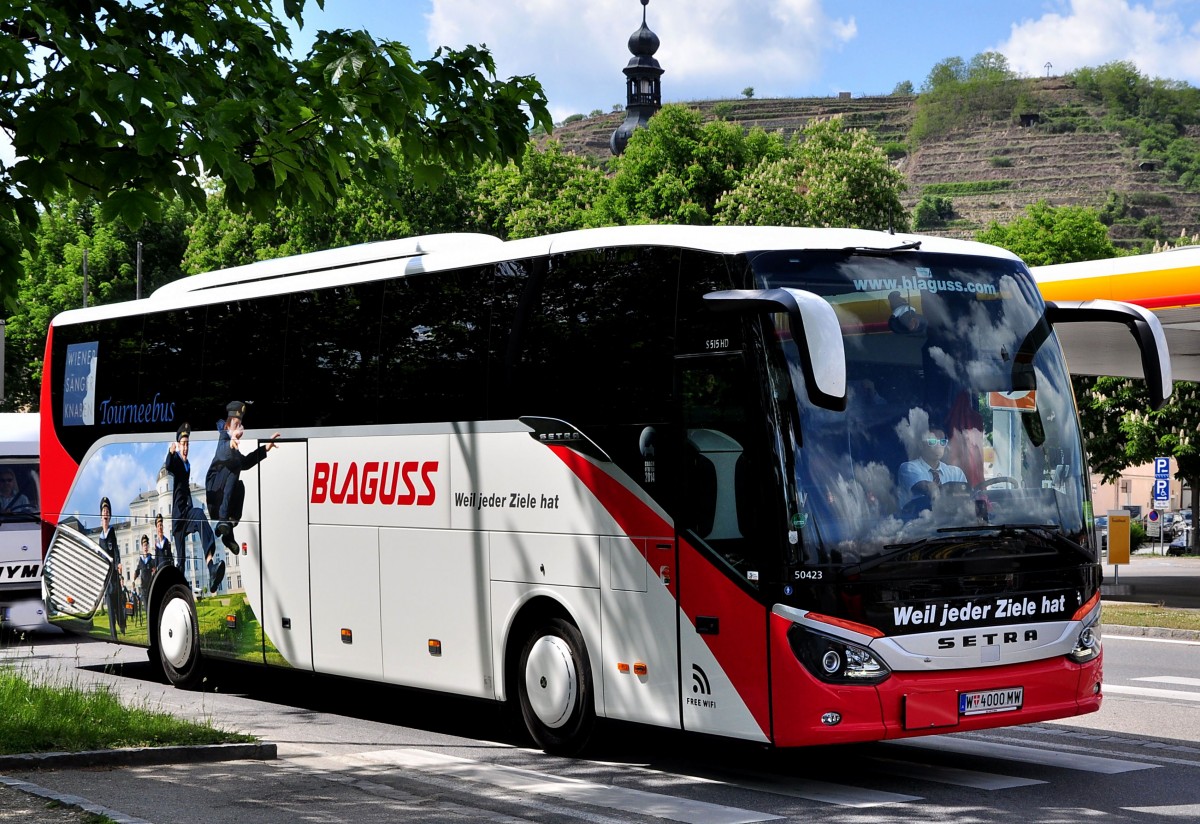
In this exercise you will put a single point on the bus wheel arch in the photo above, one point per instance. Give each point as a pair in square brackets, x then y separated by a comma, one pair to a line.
[549, 679]
[175, 636]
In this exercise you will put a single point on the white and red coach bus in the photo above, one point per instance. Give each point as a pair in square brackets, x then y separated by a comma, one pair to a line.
[649, 473]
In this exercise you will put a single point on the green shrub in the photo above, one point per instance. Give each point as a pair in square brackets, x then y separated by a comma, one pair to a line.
[931, 212]
[967, 187]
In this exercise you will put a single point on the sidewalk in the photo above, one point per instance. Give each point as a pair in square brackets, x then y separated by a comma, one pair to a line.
[1154, 579]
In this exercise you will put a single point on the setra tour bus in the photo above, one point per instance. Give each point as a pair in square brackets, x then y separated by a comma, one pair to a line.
[793, 486]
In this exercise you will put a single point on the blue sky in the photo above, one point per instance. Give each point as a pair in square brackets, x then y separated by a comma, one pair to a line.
[782, 48]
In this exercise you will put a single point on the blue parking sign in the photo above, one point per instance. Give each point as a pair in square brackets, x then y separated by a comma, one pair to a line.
[1162, 467]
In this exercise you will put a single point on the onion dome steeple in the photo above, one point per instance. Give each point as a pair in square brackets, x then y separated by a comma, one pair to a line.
[643, 85]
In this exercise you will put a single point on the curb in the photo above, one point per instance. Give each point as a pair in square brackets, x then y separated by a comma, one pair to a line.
[1151, 632]
[139, 756]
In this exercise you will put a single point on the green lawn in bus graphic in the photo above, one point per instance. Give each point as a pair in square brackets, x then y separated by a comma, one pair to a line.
[230, 629]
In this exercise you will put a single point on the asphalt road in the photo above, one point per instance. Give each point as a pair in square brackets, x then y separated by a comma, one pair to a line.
[367, 753]
[350, 751]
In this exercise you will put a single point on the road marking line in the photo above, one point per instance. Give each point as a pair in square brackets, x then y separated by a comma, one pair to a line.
[1028, 755]
[1151, 692]
[1108, 636]
[825, 791]
[1189, 811]
[1178, 680]
[956, 776]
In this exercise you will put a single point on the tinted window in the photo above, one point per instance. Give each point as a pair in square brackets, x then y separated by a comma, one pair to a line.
[243, 361]
[596, 347]
[172, 360]
[433, 350]
[332, 367]
[105, 396]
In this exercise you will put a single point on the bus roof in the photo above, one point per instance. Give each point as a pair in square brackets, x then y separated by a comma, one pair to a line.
[1166, 283]
[19, 434]
[433, 253]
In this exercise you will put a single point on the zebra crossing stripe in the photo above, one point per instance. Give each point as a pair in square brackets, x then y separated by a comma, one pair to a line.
[521, 780]
[1026, 755]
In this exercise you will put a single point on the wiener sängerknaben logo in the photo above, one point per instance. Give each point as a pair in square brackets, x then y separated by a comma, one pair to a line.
[79, 384]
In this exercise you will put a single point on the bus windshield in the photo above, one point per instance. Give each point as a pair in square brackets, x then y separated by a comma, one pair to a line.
[959, 415]
[18, 492]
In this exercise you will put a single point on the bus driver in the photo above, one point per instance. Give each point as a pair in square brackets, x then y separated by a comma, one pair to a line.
[922, 476]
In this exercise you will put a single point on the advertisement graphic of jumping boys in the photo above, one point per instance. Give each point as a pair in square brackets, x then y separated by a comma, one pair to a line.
[187, 519]
[224, 491]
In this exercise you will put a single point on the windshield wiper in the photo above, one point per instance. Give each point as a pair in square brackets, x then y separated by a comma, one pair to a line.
[914, 246]
[894, 551]
[1052, 533]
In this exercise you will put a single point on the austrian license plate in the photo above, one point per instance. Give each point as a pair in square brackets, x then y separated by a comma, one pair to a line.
[985, 701]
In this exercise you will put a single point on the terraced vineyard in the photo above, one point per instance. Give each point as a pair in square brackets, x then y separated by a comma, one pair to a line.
[990, 171]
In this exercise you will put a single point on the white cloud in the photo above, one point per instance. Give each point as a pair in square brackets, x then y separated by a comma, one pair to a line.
[1095, 32]
[710, 48]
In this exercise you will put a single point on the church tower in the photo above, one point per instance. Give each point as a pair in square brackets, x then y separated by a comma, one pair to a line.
[643, 85]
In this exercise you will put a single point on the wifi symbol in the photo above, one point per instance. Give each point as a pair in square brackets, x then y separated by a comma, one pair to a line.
[700, 681]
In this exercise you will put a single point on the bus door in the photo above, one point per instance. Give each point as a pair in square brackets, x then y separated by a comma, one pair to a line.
[723, 630]
[284, 556]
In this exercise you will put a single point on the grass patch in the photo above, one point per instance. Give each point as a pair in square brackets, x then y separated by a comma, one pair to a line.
[1149, 615]
[967, 187]
[53, 718]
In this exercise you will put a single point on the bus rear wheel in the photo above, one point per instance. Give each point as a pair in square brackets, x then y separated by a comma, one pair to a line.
[178, 638]
[554, 685]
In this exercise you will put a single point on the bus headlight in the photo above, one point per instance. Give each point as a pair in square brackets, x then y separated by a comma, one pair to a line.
[834, 660]
[1087, 645]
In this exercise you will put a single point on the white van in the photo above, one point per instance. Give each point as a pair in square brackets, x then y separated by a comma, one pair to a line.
[21, 604]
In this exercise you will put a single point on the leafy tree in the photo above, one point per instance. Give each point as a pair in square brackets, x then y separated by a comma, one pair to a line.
[550, 191]
[675, 169]
[931, 212]
[956, 93]
[988, 67]
[1117, 84]
[1048, 234]
[131, 103]
[748, 92]
[53, 277]
[221, 237]
[831, 176]
[944, 74]
[903, 89]
[1122, 431]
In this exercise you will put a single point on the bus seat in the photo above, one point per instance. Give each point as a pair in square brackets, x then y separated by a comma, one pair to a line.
[716, 484]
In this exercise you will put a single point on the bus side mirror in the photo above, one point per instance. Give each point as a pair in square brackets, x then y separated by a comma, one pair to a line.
[1096, 341]
[815, 330]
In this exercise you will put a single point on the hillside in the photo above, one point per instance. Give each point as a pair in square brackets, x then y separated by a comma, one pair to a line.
[990, 170]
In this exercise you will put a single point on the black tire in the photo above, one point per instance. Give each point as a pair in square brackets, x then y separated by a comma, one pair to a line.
[554, 687]
[178, 638]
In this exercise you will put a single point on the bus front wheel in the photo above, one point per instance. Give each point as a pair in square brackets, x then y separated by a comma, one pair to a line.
[555, 688]
[179, 638]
